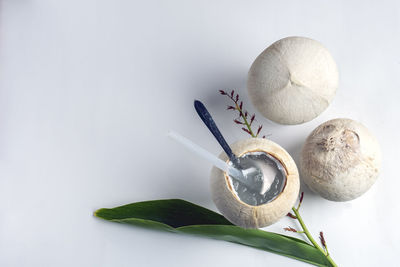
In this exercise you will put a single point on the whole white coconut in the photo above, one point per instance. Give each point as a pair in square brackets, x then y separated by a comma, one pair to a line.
[340, 160]
[293, 80]
[226, 195]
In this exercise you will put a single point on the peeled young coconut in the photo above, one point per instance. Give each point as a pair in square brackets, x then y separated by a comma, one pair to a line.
[250, 209]
[340, 160]
[293, 80]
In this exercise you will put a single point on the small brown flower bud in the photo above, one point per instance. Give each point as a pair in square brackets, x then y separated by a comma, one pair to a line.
[290, 229]
[291, 215]
[246, 130]
[301, 197]
[322, 238]
[259, 129]
[252, 118]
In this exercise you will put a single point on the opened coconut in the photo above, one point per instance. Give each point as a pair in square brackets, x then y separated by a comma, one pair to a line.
[250, 208]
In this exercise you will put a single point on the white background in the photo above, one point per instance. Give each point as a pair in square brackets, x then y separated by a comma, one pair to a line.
[88, 90]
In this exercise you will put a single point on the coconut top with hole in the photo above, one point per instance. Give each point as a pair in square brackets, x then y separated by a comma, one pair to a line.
[271, 208]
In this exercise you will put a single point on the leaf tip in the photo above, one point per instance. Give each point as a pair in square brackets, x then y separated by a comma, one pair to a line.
[99, 213]
[96, 213]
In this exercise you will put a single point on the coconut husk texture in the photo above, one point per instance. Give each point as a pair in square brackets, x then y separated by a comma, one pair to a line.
[242, 214]
[293, 80]
[340, 160]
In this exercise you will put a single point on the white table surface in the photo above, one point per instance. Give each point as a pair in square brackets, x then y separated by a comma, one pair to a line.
[88, 90]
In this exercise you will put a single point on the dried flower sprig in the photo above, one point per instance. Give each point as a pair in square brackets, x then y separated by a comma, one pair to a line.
[244, 117]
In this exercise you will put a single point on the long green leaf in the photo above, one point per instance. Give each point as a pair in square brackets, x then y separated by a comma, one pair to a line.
[176, 215]
[173, 212]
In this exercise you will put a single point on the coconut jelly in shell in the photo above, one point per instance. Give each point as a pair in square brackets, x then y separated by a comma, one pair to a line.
[273, 202]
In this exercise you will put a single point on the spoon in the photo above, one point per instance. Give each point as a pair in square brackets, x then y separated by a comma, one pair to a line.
[252, 176]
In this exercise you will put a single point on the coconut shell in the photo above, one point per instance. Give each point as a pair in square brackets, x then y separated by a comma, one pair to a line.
[242, 214]
[340, 160]
[293, 80]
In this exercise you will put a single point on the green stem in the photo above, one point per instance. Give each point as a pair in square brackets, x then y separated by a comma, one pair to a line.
[245, 120]
[307, 233]
[326, 249]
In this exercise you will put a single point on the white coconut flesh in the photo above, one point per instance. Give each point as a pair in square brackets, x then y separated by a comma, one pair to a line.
[273, 176]
[232, 204]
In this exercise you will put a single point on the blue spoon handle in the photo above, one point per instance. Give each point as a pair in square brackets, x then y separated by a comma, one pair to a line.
[210, 123]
